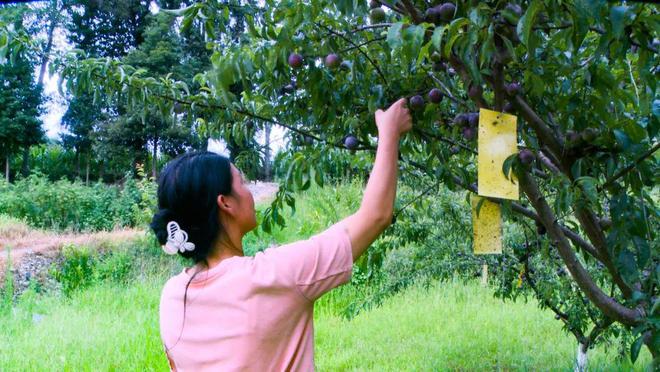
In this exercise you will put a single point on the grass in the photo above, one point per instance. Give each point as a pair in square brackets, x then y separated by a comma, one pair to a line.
[12, 227]
[454, 326]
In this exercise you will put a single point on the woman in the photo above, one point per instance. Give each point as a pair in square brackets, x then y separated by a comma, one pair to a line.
[230, 312]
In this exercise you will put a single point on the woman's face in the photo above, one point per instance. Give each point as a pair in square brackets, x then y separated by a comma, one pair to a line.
[246, 216]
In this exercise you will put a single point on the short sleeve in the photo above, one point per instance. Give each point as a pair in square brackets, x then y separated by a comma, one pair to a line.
[316, 265]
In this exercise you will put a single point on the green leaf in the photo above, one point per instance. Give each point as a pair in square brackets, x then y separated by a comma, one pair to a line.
[424, 52]
[643, 250]
[454, 32]
[318, 176]
[622, 138]
[580, 24]
[627, 265]
[436, 39]
[394, 35]
[177, 12]
[634, 349]
[508, 164]
[617, 17]
[526, 24]
[480, 203]
[656, 108]
[588, 185]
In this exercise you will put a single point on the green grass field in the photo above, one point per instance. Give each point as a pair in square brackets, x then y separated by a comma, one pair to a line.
[112, 326]
[453, 326]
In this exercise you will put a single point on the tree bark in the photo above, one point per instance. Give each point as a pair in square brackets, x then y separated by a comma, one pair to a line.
[46, 55]
[581, 358]
[54, 13]
[609, 306]
[101, 171]
[25, 168]
[87, 170]
[77, 162]
[154, 170]
[7, 167]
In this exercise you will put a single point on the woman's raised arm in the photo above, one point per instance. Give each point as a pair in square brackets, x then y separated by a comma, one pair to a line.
[375, 213]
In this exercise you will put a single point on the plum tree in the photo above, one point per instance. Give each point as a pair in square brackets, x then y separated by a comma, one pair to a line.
[562, 68]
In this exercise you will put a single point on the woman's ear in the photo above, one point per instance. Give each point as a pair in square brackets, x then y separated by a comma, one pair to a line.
[224, 204]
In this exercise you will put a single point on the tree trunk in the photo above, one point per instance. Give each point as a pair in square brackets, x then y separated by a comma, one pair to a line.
[87, 171]
[154, 170]
[77, 162]
[267, 168]
[44, 57]
[49, 44]
[581, 358]
[25, 168]
[101, 170]
[7, 167]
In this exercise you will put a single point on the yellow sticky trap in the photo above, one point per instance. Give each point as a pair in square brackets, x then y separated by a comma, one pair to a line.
[487, 226]
[497, 141]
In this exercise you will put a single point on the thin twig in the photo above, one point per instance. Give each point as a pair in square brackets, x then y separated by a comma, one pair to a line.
[363, 44]
[627, 169]
[382, 76]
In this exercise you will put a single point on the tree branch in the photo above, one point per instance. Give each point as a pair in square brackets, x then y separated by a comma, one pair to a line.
[516, 207]
[447, 91]
[392, 6]
[630, 167]
[363, 44]
[380, 73]
[368, 27]
[412, 11]
[560, 314]
[443, 139]
[541, 129]
[589, 223]
[608, 305]
[458, 66]
[498, 74]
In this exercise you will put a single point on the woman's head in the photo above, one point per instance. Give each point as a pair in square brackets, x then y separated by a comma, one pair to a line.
[205, 194]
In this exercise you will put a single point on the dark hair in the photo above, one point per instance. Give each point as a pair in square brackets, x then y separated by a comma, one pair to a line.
[188, 189]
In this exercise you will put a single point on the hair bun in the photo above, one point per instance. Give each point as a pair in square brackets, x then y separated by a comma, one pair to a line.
[159, 224]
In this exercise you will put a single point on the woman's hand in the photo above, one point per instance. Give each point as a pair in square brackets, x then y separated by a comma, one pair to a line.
[395, 121]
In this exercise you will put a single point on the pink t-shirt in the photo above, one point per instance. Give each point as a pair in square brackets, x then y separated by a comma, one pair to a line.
[254, 313]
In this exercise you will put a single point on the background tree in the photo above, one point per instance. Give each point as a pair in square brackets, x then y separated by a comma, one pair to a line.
[20, 101]
[82, 119]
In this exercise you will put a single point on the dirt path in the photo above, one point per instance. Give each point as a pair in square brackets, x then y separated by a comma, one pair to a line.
[32, 251]
[263, 191]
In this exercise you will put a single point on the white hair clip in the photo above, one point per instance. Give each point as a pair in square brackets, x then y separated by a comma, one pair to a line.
[177, 239]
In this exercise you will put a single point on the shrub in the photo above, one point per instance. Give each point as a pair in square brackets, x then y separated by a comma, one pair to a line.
[66, 205]
[77, 269]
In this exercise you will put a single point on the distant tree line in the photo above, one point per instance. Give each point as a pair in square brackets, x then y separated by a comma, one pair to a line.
[104, 139]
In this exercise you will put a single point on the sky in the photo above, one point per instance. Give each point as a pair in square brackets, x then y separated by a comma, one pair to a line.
[56, 105]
